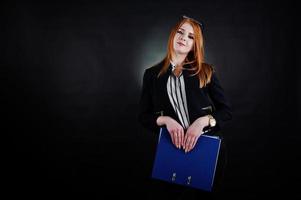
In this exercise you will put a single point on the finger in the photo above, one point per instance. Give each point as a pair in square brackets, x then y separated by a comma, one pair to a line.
[172, 137]
[189, 144]
[192, 141]
[184, 141]
[176, 139]
[186, 145]
[181, 137]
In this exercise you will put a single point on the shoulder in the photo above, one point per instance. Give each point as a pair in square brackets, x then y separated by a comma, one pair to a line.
[210, 72]
[154, 70]
[215, 77]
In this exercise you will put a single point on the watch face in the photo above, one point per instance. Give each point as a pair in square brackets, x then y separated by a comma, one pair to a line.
[212, 122]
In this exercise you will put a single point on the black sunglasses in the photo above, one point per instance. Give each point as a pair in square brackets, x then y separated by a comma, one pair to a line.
[196, 21]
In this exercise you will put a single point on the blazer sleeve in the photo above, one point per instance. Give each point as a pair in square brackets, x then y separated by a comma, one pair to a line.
[146, 115]
[222, 111]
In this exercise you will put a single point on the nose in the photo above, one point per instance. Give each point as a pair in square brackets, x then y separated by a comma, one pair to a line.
[183, 37]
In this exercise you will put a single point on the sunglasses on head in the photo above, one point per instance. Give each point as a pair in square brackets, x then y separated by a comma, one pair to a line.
[196, 21]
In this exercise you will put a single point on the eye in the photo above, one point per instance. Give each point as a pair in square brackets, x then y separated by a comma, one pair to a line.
[180, 32]
[191, 37]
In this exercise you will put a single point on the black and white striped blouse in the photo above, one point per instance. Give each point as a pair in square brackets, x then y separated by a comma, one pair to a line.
[177, 97]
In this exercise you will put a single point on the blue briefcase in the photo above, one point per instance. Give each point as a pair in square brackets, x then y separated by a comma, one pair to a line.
[194, 169]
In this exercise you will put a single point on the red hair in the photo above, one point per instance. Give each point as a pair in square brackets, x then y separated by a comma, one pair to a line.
[195, 57]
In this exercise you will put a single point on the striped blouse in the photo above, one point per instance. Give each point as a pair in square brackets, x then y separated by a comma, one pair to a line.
[177, 97]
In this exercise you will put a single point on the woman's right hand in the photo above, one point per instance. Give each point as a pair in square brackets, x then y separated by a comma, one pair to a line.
[175, 130]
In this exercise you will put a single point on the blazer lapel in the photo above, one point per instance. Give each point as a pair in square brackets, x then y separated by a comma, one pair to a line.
[190, 83]
[162, 87]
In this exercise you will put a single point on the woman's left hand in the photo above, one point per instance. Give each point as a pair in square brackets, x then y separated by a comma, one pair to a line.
[194, 131]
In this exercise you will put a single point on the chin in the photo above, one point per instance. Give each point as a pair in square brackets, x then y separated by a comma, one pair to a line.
[180, 51]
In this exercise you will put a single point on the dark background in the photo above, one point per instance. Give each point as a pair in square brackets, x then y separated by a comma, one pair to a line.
[71, 78]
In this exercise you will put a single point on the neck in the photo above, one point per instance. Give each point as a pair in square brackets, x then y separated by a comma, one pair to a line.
[178, 59]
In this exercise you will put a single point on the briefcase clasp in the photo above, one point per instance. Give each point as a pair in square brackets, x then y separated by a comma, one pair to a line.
[174, 175]
[188, 180]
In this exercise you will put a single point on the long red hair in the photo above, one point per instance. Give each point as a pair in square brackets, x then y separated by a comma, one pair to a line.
[195, 57]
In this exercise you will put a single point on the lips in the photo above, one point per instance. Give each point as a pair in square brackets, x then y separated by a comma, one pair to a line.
[181, 44]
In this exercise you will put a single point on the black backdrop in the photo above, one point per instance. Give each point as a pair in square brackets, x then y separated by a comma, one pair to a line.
[71, 79]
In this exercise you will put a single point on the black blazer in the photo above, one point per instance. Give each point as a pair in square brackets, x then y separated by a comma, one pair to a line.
[154, 99]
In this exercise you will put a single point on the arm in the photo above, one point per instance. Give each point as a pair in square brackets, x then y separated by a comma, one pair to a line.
[221, 114]
[146, 115]
[222, 111]
[175, 130]
[152, 121]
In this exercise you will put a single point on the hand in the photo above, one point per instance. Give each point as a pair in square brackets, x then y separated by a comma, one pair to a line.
[194, 131]
[175, 130]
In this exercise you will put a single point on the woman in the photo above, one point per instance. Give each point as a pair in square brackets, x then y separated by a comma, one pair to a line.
[183, 92]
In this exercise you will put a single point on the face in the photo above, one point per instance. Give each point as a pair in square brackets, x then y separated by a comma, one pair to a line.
[183, 40]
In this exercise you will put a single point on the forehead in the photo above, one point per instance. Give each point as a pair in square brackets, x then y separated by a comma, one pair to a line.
[187, 27]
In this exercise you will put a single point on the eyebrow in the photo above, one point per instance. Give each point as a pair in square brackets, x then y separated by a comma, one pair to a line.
[185, 30]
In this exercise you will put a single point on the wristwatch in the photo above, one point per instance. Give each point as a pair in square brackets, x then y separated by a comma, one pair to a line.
[212, 121]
